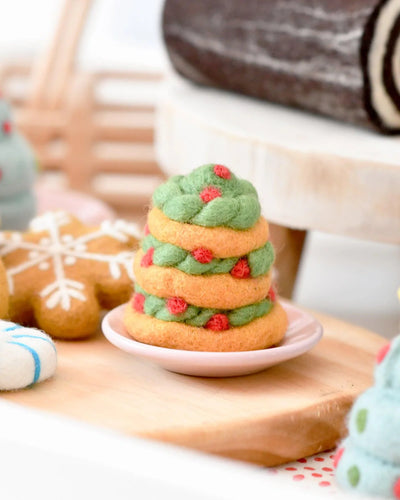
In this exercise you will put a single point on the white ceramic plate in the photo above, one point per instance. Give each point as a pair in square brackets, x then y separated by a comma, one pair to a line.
[303, 333]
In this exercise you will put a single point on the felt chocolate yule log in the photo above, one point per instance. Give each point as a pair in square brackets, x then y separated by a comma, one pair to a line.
[334, 57]
[203, 273]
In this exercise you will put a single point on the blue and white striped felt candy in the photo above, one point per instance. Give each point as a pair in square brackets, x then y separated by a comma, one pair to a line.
[27, 356]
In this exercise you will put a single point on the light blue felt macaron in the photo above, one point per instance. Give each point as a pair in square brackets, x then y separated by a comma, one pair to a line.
[27, 356]
[368, 461]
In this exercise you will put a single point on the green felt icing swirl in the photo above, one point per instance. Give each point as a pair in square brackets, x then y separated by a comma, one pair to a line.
[198, 316]
[179, 199]
[168, 255]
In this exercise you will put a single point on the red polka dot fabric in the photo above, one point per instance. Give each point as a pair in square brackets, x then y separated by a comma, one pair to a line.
[316, 472]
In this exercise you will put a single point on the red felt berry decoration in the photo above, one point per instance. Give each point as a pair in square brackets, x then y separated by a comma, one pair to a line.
[241, 269]
[222, 171]
[382, 353]
[202, 255]
[7, 127]
[146, 230]
[337, 457]
[272, 294]
[218, 322]
[396, 489]
[176, 305]
[210, 193]
[138, 302]
[147, 259]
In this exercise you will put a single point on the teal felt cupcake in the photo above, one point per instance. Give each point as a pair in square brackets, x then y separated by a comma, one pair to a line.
[17, 173]
[368, 461]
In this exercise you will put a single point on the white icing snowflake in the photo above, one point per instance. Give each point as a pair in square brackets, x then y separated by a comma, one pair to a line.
[64, 250]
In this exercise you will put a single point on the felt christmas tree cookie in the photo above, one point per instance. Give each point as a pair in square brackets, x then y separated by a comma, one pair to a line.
[203, 272]
[61, 273]
[368, 461]
[17, 172]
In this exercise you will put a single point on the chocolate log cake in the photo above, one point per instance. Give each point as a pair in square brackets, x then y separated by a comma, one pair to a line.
[340, 58]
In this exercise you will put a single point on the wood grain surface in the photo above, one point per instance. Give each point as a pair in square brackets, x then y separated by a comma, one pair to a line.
[286, 412]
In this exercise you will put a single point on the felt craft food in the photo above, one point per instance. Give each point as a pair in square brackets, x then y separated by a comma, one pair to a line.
[27, 356]
[17, 172]
[337, 58]
[3, 291]
[61, 273]
[368, 461]
[203, 272]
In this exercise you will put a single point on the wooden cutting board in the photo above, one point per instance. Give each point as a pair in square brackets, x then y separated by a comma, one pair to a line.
[284, 413]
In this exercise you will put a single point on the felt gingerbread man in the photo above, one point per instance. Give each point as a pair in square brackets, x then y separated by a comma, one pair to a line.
[61, 273]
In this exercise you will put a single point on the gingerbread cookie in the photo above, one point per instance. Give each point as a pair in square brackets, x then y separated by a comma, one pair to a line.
[61, 273]
[204, 268]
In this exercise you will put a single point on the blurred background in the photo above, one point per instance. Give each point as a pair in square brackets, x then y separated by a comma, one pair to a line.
[84, 79]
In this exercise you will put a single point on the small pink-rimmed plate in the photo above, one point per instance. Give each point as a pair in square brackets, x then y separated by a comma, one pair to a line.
[303, 333]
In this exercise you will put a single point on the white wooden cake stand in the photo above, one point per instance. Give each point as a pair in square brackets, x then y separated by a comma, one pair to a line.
[310, 172]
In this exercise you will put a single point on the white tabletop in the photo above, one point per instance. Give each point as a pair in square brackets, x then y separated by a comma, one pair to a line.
[46, 456]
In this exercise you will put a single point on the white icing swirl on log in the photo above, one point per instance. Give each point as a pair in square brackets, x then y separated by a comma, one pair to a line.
[382, 103]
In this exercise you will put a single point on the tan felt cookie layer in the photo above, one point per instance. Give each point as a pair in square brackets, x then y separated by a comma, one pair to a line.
[220, 291]
[61, 273]
[259, 334]
[3, 292]
[222, 241]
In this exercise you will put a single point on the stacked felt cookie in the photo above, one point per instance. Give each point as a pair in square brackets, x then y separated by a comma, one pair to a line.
[368, 462]
[203, 273]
